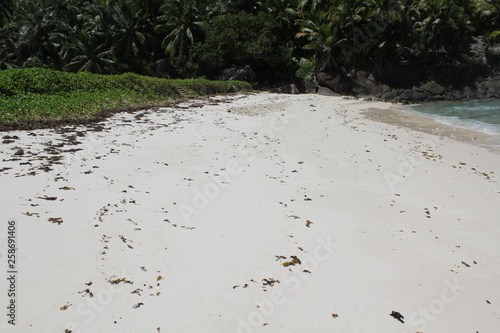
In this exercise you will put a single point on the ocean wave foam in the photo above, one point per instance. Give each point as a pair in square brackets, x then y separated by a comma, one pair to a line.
[470, 124]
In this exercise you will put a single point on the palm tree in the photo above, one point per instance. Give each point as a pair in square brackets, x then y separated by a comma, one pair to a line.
[8, 50]
[5, 10]
[130, 33]
[150, 7]
[40, 30]
[89, 54]
[441, 29]
[183, 23]
[321, 36]
[350, 33]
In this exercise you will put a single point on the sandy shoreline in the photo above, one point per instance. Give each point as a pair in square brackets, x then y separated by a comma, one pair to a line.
[399, 116]
[258, 213]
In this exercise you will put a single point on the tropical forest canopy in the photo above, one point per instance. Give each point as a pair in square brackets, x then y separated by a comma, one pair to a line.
[201, 38]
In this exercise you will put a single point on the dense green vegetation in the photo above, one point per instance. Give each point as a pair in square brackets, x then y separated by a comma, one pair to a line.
[38, 97]
[202, 37]
[430, 34]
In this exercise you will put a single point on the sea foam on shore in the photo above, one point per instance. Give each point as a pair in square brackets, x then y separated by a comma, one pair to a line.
[480, 116]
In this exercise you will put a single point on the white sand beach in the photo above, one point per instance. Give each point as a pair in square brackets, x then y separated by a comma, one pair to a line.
[252, 213]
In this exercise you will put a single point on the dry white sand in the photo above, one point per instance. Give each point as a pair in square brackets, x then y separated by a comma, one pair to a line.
[260, 213]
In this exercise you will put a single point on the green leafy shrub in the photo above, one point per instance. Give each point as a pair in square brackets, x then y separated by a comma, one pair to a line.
[36, 94]
[306, 70]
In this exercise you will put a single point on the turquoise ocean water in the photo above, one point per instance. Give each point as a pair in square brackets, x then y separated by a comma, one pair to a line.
[477, 116]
